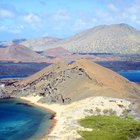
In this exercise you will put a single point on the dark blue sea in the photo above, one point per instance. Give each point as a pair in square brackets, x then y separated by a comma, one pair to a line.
[132, 75]
[7, 77]
[19, 121]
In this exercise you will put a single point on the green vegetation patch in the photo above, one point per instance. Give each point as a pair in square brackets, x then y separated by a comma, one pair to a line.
[110, 128]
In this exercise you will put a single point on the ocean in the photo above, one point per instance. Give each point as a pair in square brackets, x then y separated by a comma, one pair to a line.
[132, 75]
[19, 121]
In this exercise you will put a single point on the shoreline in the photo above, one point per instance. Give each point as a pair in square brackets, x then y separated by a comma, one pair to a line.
[65, 122]
[35, 103]
[32, 102]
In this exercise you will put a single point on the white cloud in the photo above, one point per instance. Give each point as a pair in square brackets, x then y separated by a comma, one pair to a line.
[115, 14]
[61, 15]
[33, 19]
[17, 30]
[131, 14]
[112, 7]
[5, 13]
[2, 28]
[79, 24]
[12, 29]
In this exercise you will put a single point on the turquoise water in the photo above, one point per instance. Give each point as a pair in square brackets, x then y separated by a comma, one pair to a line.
[132, 75]
[19, 121]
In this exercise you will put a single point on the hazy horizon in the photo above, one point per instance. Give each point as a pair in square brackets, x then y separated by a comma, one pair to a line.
[62, 19]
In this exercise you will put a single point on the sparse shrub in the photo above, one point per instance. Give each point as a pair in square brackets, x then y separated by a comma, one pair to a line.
[129, 116]
[98, 110]
[130, 106]
[125, 113]
[105, 111]
[121, 106]
[89, 110]
[86, 110]
[112, 112]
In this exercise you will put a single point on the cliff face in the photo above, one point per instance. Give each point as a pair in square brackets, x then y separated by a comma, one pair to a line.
[65, 83]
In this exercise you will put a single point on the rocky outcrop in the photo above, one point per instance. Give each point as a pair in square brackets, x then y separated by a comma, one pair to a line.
[64, 83]
[49, 85]
[3, 92]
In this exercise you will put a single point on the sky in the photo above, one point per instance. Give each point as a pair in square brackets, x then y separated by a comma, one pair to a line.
[62, 18]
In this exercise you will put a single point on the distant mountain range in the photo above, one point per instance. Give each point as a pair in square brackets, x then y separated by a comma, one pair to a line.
[116, 38]
[4, 44]
[40, 44]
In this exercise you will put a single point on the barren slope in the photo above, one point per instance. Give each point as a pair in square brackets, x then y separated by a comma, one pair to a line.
[40, 44]
[116, 38]
[65, 83]
[18, 53]
[56, 52]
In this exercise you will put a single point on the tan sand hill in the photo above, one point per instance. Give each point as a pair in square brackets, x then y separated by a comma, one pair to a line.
[40, 44]
[18, 53]
[115, 38]
[65, 83]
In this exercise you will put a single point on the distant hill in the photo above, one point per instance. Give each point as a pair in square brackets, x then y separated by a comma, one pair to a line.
[18, 53]
[4, 44]
[56, 52]
[116, 38]
[40, 44]
[64, 83]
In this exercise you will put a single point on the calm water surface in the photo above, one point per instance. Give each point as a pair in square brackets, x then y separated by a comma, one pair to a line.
[21, 122]
[132, 75]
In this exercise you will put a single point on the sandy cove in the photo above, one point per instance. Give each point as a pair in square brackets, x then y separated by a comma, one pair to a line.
[67, 116]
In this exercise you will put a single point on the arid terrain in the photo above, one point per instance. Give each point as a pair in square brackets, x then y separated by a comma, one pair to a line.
[101, 44]
[73, 79]
[70, 70]
[115, 38]
[76, 90]
[65, 83]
